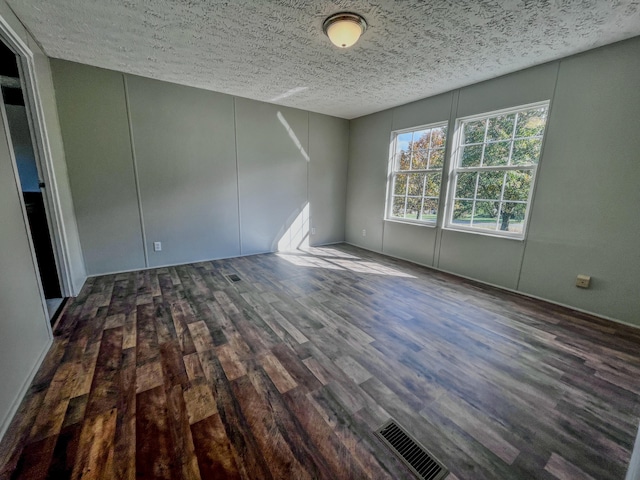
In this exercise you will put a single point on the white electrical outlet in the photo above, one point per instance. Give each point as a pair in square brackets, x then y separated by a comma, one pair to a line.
[583, 281]
[364, 232]
[313, 230]
[157, 246]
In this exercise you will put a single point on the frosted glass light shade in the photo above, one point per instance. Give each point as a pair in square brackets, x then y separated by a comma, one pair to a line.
[344, 29]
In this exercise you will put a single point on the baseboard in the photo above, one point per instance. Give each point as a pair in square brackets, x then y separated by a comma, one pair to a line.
[506, 289]
[23, 390]
[77, 289]
[142, 269]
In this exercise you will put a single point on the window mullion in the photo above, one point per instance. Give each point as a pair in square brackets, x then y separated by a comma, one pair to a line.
[406, 195]
[513, 136]
[484, 141]
[475, 196]
[496, 168]
[504, 183]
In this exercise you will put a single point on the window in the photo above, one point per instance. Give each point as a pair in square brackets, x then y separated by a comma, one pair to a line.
[493, 170]
[416, 174]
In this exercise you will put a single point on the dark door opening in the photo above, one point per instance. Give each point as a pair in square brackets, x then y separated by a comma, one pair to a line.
[30, 179]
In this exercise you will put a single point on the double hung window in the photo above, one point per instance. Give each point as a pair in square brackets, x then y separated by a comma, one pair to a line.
[493, 170]
[415, 176]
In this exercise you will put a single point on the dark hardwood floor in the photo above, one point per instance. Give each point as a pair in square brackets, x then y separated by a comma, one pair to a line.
[177, 373]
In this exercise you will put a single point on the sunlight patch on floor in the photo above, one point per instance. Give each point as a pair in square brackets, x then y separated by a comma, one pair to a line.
[319, 257]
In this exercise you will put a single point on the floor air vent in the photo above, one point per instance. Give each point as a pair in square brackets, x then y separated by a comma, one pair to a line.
[232, 278]
[414, 455]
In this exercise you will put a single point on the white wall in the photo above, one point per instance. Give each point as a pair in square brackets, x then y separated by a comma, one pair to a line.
[208, 175]
[24, 336]
[583, 218]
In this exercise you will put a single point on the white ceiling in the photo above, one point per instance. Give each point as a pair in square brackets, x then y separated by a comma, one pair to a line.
[275, 51]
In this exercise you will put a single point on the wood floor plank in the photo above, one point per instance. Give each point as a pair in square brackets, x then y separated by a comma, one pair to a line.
[274, 448]
[245, 448]
[35, 459]
[213, 449]
[104, 394]
[125, 434]
[95, 447]
[199, 402]
[64, 454]
[181, 435]
[154, 447]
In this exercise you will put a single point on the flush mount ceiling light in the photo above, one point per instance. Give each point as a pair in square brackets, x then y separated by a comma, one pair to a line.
[344, 29]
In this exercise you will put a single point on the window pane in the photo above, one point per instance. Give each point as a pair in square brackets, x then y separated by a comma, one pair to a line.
[413, 208]
[518, 185]
[404, 161]
[403, 142]
[462, 212]
[501, 128]
[420, 159]
[421, 139]
[400, 184]
[438, 137]
[496, 154]
[486, 215]
[466, 185]
[436, 158]
[471, 156]
[512, 217]
[473, 132]
[416, 184]
[398, 207]
[531, 122]
[490, 185]
[430, 209]
[526, 152]
[433, 184]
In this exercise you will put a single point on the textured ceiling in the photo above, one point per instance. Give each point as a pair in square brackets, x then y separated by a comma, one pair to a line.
[275, 50]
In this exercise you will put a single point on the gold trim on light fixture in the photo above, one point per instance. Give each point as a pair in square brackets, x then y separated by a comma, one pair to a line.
[344, 29]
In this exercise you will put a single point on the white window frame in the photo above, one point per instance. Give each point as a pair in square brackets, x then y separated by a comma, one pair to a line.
[392, 172]
[454, 169]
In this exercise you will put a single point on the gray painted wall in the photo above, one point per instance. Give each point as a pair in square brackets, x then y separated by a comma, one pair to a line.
[328, 149]
[273, 143]
[583, 217]
[185, 155]
[95, 130]
[208, 175]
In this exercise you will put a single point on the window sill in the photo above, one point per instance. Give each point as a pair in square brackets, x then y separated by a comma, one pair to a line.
[486, 234]
[409, 222]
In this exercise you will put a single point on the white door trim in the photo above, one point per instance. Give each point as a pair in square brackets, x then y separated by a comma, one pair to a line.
[42, 151]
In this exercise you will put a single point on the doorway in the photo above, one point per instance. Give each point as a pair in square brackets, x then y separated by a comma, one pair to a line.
[20, 132]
